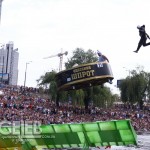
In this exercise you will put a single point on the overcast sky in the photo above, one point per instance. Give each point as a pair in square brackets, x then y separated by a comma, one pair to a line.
[40, 28]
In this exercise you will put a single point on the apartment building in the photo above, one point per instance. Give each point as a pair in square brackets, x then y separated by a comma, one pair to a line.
[9, 64]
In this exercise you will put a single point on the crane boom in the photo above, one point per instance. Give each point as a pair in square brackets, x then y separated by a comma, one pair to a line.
[59, 55]
[50, 56]
[61, 58]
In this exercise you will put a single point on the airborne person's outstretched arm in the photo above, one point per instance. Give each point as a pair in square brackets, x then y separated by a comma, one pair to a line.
[105, 58]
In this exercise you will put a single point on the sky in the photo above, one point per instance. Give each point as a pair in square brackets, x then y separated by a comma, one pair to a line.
[41, 28]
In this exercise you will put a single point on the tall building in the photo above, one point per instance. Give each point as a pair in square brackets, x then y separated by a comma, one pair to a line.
[9, 64]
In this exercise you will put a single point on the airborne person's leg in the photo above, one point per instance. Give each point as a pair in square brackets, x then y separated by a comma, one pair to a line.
[139, 45]
[146, 44]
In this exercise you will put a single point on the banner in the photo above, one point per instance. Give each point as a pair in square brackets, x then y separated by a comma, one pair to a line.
[80, 76]
[4, 76]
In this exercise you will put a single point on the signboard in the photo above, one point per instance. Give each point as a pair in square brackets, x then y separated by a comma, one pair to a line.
[4, 76]
[119, 82]
[92, 73]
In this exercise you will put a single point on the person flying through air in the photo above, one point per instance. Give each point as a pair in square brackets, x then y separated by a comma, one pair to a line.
[143, 38]
[102, 58]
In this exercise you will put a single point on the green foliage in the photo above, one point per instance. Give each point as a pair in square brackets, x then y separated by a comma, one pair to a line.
[63, 96]
[134, 88]
[47, 78]
[50, 79]
[102, 97]
[81, 57]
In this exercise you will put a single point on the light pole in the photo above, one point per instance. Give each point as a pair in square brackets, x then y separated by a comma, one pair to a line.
[0, 9]
[26, 72]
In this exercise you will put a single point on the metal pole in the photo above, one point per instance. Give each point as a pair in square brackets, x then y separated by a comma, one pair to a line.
[26, 73]
[0, 9]
[7, 58]
[3, 70]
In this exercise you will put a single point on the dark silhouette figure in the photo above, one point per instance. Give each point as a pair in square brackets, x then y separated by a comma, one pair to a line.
[101, 57]
[143, 36]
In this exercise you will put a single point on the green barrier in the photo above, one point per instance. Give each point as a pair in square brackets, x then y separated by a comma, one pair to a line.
[93, 134]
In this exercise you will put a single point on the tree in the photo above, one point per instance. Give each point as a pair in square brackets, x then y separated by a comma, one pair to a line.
[102, 97]
[81, 57]
[133, 88]
[49, 79]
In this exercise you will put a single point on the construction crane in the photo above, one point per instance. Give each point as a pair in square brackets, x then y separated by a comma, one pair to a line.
[61, 58]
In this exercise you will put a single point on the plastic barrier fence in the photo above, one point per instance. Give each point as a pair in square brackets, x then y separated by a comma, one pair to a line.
[93, 134]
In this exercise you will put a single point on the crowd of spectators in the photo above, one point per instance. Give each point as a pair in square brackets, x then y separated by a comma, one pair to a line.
[18, 103]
